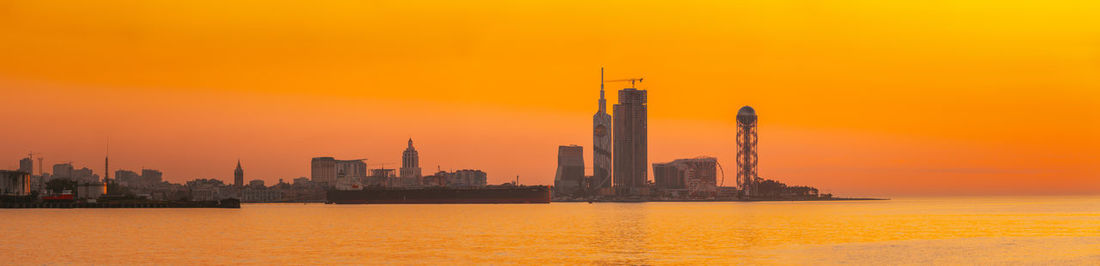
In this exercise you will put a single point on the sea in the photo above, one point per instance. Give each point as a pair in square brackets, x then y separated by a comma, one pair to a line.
[1040, 230]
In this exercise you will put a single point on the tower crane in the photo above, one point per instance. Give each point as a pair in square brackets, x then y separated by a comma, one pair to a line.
[30, 155]
[632, 81]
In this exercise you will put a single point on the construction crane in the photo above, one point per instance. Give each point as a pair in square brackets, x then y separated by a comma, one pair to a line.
[30, 155]
[382, 165]
[632, 80]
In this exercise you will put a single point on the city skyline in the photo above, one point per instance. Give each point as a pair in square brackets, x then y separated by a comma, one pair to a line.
[861, 98]
[478, 132]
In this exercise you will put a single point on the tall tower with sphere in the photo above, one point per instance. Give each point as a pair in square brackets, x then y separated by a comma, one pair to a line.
[746, 151]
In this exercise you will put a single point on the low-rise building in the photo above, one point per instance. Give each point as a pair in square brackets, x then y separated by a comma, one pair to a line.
[697, 177]
[467, 178]
[252, 194]
[208, 189]
[90, 190]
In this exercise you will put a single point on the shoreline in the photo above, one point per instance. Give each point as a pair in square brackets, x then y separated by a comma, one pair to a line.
[722, 200]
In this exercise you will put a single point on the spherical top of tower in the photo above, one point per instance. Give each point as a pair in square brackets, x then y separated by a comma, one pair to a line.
[746, 115]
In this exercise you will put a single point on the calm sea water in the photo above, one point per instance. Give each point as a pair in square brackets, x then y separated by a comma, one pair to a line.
[1029, 230]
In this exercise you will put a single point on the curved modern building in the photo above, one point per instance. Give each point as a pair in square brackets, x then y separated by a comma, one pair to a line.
[569, 179]
[746, 150]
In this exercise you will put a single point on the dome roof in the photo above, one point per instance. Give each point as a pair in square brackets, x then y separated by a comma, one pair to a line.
[746, 115]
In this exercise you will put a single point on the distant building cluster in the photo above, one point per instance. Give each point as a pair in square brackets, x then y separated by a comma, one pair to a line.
[83, 182]
[353, 174]
[149, 184]
[620, 151]
[620, 171]
[620, 161]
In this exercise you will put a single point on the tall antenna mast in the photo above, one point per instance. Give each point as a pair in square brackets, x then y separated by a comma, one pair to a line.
[107, 166]
[601, 82]
[107, 162]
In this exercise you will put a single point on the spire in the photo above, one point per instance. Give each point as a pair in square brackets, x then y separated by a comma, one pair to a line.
[603, 102]
[238, 175]
[410, 143]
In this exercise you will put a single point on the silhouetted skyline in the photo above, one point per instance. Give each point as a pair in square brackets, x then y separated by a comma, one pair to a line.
[862, 98]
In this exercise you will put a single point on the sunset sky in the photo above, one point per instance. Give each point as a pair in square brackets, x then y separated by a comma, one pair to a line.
[858, 98]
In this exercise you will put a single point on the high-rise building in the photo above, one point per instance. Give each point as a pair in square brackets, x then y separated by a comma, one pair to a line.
[330, 172]
[63, 171]
[569, 178]
[323, 171]
[601, 145]
[26, 165]
[746, 151]
[151, 177]
[127, 178]
[84, 176]
[410, 162]
[350, 174]
[631, 138]
[238, 175]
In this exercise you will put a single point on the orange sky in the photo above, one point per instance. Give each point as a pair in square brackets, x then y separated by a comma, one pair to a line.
[855, 97]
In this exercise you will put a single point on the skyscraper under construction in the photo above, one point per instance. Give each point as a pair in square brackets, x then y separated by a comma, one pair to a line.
[631, 140]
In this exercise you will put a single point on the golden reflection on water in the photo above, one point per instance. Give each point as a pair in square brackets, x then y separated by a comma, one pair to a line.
[1045, 230]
